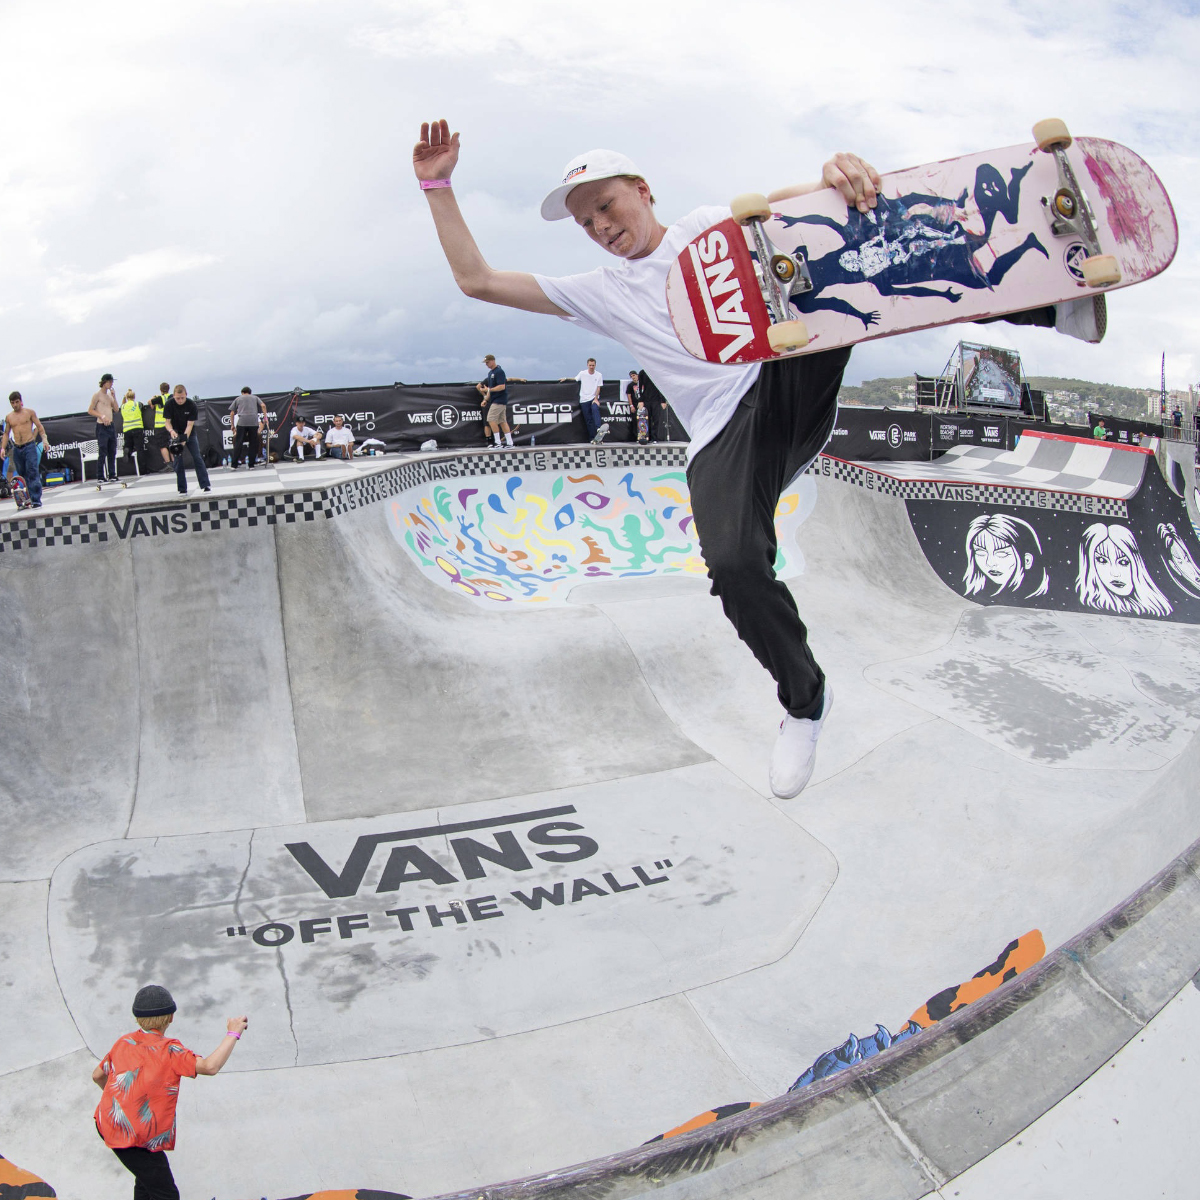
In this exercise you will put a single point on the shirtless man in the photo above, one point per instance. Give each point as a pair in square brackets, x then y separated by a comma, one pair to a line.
[18, 443]
[753, 428]
[105, 409]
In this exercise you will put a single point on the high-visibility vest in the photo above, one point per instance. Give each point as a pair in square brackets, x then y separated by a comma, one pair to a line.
[160, 412]
[131, 416]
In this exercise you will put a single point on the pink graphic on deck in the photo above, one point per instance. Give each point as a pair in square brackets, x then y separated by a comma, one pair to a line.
[1129, 220]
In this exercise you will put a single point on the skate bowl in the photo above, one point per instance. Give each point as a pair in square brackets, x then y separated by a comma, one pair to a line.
[452, 775]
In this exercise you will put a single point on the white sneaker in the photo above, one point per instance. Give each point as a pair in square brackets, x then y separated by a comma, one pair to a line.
[1085, 318]
[795, 753]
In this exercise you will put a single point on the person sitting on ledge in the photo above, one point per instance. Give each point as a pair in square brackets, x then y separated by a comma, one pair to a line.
[339, 441]
[304, 436]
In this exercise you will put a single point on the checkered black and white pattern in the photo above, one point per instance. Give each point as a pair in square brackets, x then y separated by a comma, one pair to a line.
[881, 479]
[234, 510]
[1049, 464]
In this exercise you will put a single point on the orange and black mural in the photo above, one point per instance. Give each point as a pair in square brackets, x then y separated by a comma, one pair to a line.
[16, 1184]
[1016, 957]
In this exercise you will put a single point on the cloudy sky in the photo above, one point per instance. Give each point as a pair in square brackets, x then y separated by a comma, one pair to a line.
[220, 192]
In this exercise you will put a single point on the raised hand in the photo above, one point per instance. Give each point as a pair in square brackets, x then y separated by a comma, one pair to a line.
[436, 154]
[855, 178]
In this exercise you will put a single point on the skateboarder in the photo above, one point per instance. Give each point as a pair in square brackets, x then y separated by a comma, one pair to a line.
[753, 428]
[18, 444]
[140, 1078]
[181, 415]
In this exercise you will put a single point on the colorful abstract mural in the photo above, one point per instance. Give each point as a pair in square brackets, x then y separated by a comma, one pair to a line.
[503, 539]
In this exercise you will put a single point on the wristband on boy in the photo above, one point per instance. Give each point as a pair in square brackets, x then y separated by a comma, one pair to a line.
[426, 184]
[230, 1033]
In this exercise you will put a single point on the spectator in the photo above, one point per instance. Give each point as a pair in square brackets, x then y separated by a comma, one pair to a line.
[104, 408]
[590, 382]
[247, 415]
[633, 390]
[18, 443]
[1099, 432]
[494, 390]
[303, 436]
[642, 421]
[339, 441]
[139, 1078]
[159, 437]
[660, 414]
[181, 414]
[1177, 417]
[132, 431]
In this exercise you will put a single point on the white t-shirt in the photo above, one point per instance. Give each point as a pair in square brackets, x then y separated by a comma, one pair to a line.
[301, 434]
[588, 384]
[339, 437]
[628, 303]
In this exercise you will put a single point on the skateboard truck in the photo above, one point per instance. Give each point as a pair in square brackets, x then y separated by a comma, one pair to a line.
[1068, 210]
[781, 276]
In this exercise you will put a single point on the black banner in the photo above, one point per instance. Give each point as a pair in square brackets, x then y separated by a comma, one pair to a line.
[955, 429]
[405, 417]
[1124, 433]
[873, 434]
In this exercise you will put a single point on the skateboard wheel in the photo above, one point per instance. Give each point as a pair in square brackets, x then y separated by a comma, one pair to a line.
[1051, 133]
[787, 336]
[748, 206]
[1101, 270]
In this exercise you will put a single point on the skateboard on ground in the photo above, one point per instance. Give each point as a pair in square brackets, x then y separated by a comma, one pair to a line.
[601, 433]
[20, 492]
[118, 482]
[959, 240]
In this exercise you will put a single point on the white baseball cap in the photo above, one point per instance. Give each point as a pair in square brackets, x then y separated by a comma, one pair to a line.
[585, 168]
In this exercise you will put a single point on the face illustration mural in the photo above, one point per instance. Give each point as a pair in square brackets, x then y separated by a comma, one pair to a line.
[1003, 555]
[1178, 560]
[1113, 576]
[1114, 567]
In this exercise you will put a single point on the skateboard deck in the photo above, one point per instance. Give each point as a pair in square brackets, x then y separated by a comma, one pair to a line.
[967, 238]
[20, 491]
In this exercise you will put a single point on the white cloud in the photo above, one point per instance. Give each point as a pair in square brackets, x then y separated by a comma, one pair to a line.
[226, 183]
[77, 294]
[75, 362]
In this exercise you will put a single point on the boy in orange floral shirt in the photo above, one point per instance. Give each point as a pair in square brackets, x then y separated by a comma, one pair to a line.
[140, 1079]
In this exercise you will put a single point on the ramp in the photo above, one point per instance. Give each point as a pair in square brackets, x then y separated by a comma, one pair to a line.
[462, 796]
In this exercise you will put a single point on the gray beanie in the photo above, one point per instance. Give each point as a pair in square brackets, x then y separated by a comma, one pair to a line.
[153, 1001]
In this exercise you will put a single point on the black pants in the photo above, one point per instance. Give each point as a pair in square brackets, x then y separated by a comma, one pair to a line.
[152, 1172]
[246, 435]
[106, 442]
[779, 427]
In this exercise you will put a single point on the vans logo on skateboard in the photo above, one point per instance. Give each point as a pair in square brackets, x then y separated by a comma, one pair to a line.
[723, 281]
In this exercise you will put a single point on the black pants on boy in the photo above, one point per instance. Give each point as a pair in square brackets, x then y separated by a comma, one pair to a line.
[152, 1173]
[778, 428]
[246, 435]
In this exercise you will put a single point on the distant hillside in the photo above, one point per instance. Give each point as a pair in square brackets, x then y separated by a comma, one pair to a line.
[1093, 397]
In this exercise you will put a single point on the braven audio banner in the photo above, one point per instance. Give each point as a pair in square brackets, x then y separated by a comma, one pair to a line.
[431, 928]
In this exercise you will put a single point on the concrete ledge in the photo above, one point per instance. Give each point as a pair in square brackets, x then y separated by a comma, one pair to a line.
[900, 1125]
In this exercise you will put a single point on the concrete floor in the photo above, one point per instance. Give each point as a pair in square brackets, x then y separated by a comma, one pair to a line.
[183, 709]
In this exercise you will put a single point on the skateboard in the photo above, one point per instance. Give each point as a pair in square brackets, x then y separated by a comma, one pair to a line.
[964, 239]
[20, 492]
[601, 434]
[118, 482]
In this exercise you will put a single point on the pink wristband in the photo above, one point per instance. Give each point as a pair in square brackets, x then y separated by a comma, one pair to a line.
[230, 1033]
[426, 184]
